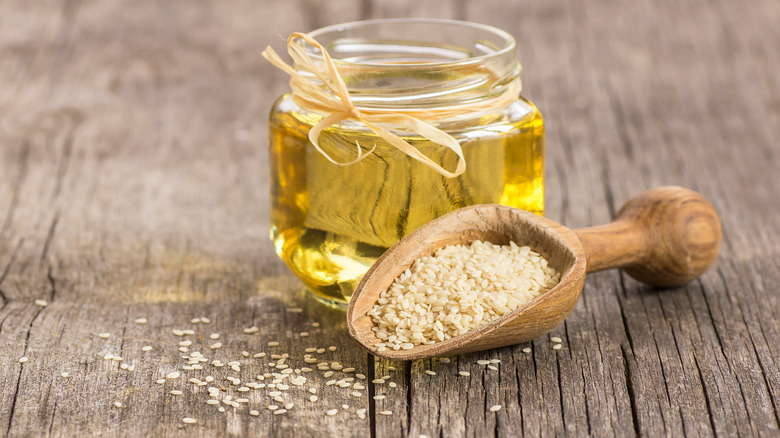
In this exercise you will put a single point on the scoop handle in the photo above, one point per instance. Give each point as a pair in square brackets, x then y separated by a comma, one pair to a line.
[665, 237]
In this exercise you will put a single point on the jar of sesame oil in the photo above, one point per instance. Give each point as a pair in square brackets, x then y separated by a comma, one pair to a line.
[341, 198]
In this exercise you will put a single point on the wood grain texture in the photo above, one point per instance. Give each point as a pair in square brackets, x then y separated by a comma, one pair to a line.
[133, 183]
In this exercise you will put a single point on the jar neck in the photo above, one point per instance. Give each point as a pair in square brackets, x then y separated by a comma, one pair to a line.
[420, 65]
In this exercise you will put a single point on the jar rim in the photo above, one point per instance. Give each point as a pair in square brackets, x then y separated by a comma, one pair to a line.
[508, 42]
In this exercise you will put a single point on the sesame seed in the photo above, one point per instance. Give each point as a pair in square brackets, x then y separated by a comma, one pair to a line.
[195, 321]
[379, 397]
[280, 412]
[205, 320]
[464, 373]
[146, 348]
[250, 330]
[172, 375]
[303, 334]
[430, 373]
[313, 398]
[189, 420]
[492, 367]
[65, 374]
[483, 362]
[378, 381]
[273, 344]
[254, 413]
[556, 339]
[160, 381]
[109, 356]
[245, 353]
[332, 412]
[221, 409]
[332, 348]
[360, 376]
[176, 392]
[214, 336]
[186, 343]
[391, 368]
[212, 402]
[557, 346]
[117, 404]
[393, 384]
[259, 355]
[495, 361]
[41, 303]
[315, 324]
[273, 407]
[23, 359]
[215, 345]
[105, 335]
[385, 412]
[177, 332]
[141, 321]
[188, 332]
[495, 408]
[526, 350]
[289, 406]
[445, 360]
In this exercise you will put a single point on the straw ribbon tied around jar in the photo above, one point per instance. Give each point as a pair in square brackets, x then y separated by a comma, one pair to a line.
[337, 106]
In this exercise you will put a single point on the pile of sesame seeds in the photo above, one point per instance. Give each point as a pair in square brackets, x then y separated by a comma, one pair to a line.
[456, 290]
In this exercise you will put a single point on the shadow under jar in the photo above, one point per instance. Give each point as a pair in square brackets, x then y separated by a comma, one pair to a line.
[329, 222]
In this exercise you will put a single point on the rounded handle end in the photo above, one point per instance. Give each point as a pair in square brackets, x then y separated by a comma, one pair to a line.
[683, 235]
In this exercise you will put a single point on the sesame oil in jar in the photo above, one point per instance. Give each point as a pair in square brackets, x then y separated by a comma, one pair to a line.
[330, 223]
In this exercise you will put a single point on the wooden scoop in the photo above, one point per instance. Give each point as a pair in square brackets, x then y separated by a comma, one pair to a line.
[663, 237]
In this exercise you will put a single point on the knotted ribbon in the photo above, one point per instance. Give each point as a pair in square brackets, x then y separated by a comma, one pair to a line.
[334, 102]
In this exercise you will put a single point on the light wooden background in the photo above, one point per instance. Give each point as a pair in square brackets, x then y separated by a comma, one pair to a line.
[133, 183]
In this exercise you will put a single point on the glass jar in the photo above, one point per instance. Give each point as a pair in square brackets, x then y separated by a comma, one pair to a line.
[330, 222]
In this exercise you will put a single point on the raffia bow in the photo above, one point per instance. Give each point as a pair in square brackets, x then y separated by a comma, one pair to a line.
[333, 100]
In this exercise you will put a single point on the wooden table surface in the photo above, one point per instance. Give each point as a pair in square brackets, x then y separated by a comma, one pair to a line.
[134, 184]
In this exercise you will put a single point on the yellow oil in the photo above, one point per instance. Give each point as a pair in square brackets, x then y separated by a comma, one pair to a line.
[330, 223]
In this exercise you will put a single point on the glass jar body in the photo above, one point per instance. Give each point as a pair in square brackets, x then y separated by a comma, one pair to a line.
[329, 223]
